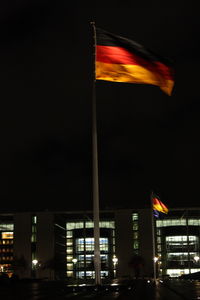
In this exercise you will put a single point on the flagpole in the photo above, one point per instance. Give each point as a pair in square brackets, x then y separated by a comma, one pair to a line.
[97, 258]
[153, 239]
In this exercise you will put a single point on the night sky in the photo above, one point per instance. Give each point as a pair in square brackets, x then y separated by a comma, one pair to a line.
[146, 139]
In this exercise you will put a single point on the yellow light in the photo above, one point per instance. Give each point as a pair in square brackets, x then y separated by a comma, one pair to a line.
[7, 235]
[155, 259]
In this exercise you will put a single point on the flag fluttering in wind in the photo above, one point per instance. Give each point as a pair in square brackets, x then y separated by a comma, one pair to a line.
[123, 60]
[159, 208]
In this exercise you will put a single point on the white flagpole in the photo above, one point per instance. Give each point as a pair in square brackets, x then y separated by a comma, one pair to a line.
[153, 239]
[97, 258]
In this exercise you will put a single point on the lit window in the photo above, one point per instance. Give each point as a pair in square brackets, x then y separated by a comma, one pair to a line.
[89, 224]
[81, 274]
[33, 238]
[78, 225]
[102, 224]
[107, 224]
[135, 245]
[171, 222]
[69, 258]
[89, 244]
[6, 227]
[69, 273]
[69, 234]
[69, 242]
[135, 216]
[181, 238]
[33, 229]
[159, 239]
[7, 235]
[71, 226]
[194, 222]
[70, 267]
[34, 219]
[69, 250]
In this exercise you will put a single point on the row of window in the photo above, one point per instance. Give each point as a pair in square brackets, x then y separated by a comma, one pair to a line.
[6, 242]
[6, 227]
[86, 274]
[89, 224]
[7, 258]
[182, 256]
[178, 272]
[181, 238]
[7, 235]
[177, 222]
[135, 233]
[5, 250]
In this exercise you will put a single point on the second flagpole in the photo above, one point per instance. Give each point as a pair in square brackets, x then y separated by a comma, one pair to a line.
[153, 239]
[97, 258]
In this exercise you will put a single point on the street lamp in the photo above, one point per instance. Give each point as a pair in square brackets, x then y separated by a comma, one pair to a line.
[155, 259]
[34, 262]
[115, 260]
[34, 266]
[74, 260]
[196, 258]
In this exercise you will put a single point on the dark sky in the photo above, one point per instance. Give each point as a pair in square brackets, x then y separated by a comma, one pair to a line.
[146, 139]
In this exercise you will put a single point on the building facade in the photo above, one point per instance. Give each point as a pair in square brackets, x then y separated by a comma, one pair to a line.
[60, 245]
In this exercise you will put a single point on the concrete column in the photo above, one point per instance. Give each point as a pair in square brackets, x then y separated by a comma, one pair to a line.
[124, 242]
[145, 240]
[22, 244]
[45, 249]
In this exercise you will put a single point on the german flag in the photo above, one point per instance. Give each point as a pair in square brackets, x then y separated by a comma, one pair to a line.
[159, 208]
[122, 60]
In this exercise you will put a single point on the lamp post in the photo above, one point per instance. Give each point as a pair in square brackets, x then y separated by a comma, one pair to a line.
[196, 258]
[155, 259]
[34, 267]
[115, 261]
[35, 262]
[74, 260]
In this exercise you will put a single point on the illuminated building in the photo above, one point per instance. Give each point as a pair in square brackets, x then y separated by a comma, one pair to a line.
[6, 243]
[60, 245]
[178, 242]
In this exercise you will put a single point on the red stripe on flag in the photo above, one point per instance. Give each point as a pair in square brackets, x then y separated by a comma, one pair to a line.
[119, 55]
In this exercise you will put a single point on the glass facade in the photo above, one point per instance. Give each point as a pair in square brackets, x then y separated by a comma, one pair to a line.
[178, 246]
[80, 249]
[177, 239]
[6, 247]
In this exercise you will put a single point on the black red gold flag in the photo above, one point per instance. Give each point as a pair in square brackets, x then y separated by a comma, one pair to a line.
[159, 208]
[123, 60]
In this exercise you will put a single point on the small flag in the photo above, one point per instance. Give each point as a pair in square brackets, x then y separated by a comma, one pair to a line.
[158, 207]
[122, 60]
